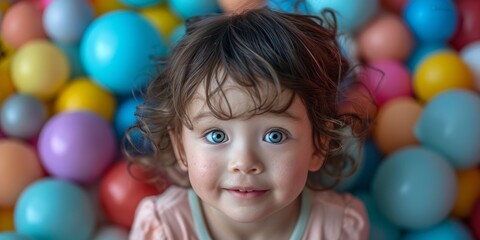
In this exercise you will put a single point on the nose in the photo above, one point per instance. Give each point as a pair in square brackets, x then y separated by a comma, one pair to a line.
[246, 161]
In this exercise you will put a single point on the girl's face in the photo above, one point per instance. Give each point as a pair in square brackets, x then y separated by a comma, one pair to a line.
[248, 168]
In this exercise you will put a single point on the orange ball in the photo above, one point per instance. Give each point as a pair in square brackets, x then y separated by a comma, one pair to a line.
[240, 5]
[19, 167]
[22, 23]
[6, 220]
[386, 37]
[468, 192]
[394, 124]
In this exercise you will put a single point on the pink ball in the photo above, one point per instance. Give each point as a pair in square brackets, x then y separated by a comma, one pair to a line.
[77, 146]
[386, 80]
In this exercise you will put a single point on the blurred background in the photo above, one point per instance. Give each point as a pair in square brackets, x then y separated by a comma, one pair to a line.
[70, 71]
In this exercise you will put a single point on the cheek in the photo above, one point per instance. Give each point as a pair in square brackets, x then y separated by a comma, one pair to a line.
[291, 169]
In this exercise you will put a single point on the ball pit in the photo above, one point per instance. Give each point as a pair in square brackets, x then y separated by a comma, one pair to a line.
[85, 70]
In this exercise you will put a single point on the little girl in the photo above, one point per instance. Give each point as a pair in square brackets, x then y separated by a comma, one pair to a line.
[246, 111]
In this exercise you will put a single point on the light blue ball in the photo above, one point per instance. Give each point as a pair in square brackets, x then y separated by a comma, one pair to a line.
[415, 188]
[54, 209]
[119, 51]
[449, 229]
[188, 8]
[177, 34]
[72, 52]
[289, 6]
[22, 116]
[66, 20]
[141, 3]
[431, 20]
[380, 227]
[449, 124]
[13, 236]
[125, 115]
[421, 52]
[351, 15]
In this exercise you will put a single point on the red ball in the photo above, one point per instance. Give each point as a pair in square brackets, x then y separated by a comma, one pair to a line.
[120, 193]
[474, 219]
[468, 29]
[395, 6]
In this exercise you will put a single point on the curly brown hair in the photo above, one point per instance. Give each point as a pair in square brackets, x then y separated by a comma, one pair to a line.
[289, 51]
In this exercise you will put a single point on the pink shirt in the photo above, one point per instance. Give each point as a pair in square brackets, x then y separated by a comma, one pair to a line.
[175, 214]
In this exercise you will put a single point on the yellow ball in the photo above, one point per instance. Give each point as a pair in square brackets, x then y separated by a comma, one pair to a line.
[6, 85]
[6, 220]
[468, 192]
[105, 6]
[162, 19]
[39, 68]
[4, 5]
[440, 72]
[83, 94]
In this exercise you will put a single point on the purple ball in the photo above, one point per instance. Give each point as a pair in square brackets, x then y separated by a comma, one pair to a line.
[77, 146]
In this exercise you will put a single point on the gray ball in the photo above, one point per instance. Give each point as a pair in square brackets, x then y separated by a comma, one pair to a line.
[22, 116]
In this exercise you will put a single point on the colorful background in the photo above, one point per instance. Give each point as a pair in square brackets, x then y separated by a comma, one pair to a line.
[71, 72]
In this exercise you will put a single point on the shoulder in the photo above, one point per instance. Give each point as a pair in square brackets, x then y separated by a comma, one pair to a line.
[339, 214]
[165, 216]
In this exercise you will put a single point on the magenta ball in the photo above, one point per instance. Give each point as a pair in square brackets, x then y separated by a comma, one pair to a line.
[77, 146]
[386, 80]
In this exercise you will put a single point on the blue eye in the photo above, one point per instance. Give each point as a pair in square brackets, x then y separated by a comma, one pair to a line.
[274, 136]
[216, 136]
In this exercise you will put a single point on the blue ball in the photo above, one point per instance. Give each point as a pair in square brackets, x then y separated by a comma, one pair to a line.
[415, 187]
[431, 20]
[55, 209]
[449, 229]
[119, 51]
[188, 8]
[141, 3]
[289, 6]
[350, 15]
[72, 52]
[13, 236]
[66, 20]
[449, 124]
[22, 116]
[421, 52]
[125, 115]
[177, 34]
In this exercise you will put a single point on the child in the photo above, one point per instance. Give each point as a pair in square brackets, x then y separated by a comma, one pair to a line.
[246, 111]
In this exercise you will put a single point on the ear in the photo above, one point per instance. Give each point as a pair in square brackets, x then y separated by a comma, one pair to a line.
[318, 156]
[178, 149]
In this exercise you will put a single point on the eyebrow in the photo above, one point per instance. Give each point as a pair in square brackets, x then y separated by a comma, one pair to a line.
[284, 114]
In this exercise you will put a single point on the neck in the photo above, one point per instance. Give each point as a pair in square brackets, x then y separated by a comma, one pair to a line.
[278, 225]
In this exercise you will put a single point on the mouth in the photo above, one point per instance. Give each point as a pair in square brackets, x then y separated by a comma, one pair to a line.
[247, 192]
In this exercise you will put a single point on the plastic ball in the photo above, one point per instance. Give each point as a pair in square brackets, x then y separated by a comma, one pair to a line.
[6, 220]
[386, 37]
[395, 6]
[22, 23]
[474, 219]
[19, 167]
[66, 20]
[431, 20]
[395, 123]
[349, 47]
[117, 51]
[449, 125]
[111, 233]
[141, 3]
[84, 94]
[240, 5]
[468, 193]
[387, 80]
[440, 72]
[187, 8]
[72, 52]
[125, 115]
[40, 68]
[6, 84]
[55, 209]
[446, 230]
[105, 6]
[177, 34]
[350, 15]
[13, 236]
[470, 55]
[421, 52]
[120, 190]
[43, 4]
[380, 227]
[22, 116]
[289, 6]
[162, 19]
[77, 146]
[415, 188]
[467, 30]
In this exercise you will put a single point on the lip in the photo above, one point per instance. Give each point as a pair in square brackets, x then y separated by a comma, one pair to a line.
[247, 192]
